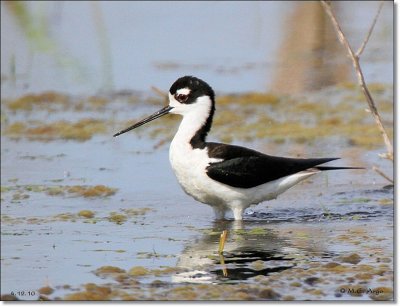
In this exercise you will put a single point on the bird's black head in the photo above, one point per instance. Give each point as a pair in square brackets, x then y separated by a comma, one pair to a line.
[191, 97]
[187, 89]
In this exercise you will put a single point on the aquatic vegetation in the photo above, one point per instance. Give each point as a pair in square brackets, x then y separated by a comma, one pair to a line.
[272, 287]
[86, 214]
[246, 117]
[108, 270]
[53, 102]
[252, 231]
[46, 290]
[132, 212]
[61, 190]
[351, 258]
[91, 191]
[258, 265]
[249, 98]
[81, 130]
[381, 294]
[92, 292]
[97, 102]
[138, 271]
[117, 218]
[46, 100]
[386, 202]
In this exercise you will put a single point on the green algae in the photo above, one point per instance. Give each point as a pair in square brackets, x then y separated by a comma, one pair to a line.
[92, 292]
[249, 98]
[133, 212]
[116, 218]
[86, 214]
[252, 231]
[46, 290]
[91, 191]
[108, 270]
[86, 191]
[48, 100]
[53, 101]
[381, 294]
[262, 116]
[386, 202]
[81, 130]
[353, 258]
[138, 271]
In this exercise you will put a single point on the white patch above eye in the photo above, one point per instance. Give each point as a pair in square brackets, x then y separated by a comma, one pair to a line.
[183, 91]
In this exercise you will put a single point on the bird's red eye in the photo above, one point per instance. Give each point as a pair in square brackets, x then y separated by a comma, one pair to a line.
[181, 97]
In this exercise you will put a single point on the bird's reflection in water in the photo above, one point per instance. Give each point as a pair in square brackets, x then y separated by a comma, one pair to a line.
[251, 249]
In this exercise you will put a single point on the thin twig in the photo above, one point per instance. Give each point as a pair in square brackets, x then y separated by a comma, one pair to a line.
[382, 174]
[364, 43]
[360, 76]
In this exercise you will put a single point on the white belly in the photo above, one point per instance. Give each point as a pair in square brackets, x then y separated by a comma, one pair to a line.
[190, 169]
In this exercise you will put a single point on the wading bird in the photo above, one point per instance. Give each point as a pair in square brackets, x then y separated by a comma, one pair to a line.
[226, 177]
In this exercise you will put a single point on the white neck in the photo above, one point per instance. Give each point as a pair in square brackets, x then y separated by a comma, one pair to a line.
[194, 117]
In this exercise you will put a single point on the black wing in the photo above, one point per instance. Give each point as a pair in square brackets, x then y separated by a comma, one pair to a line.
[246, 168]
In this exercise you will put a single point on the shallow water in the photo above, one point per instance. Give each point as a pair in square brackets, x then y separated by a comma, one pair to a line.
[87, 216]
[104, 218]
[170, 241]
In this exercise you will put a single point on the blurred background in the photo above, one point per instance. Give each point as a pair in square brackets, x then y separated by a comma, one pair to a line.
[86, 47]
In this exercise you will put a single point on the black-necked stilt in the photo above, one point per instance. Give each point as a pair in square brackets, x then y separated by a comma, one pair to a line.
[226, 177]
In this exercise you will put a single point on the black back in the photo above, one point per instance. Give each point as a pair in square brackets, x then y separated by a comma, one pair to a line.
[246, 168]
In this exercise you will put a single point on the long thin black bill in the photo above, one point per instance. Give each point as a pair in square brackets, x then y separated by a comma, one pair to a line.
[154, 116]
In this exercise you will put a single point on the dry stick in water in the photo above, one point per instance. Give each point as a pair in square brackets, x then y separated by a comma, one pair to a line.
[355, 57]
[382, 174]
[222, 240]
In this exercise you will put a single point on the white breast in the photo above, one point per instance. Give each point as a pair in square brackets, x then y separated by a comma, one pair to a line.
[189, 166]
